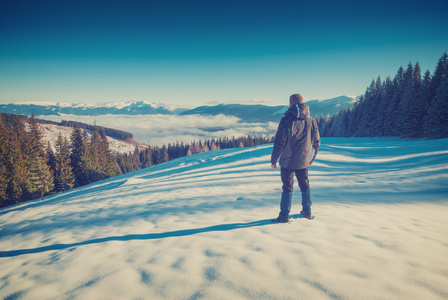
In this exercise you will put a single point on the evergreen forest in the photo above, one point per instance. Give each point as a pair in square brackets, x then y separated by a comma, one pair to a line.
[411, 105]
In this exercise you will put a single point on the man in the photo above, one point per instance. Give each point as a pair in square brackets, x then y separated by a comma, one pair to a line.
[296, 144]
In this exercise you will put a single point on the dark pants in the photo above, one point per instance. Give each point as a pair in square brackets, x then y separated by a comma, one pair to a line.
[288, 183]
[288, 179]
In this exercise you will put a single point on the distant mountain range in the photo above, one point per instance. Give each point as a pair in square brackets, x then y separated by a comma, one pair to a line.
[249, 113]
[263, 113]
[116, 108]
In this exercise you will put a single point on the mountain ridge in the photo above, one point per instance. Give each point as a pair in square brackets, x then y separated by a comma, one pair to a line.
[254, 112]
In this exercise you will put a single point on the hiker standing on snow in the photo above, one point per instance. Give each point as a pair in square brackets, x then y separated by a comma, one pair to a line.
[296, 144]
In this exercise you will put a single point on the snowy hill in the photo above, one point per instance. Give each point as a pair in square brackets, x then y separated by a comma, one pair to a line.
[51, 132]
[330, 106]
[198, 228]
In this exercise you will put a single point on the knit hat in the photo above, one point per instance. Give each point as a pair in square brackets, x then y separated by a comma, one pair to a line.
[295, 99]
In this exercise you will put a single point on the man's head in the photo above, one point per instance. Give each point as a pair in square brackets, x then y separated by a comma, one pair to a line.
[295, 99]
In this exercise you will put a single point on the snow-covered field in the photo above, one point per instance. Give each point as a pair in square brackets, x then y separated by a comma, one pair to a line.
[199, 228]
[51, 132]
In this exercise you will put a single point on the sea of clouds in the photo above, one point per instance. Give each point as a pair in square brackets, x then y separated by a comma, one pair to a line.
[157, 130]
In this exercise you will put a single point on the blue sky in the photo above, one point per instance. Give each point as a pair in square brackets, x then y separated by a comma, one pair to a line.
[198, 52]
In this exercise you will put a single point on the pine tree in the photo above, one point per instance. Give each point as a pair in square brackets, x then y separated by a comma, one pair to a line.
[51, 159]
[425, 93]
[365, 123]
[214, 146]
[205, 147]
[353, 116]
[79, 157]
[362, 120]
[64, 178]
[328, 122]
[344, 122]
[41, 179]
[440, 73]
[75, 154]
[407, 93]
[36, 147]
[437, 118]
[392, 120]
[95, 153]
[146, 158]
[106, 160]
[121, 163]
[373, 100]
[4, 145]
[136, 159]
[386, 96]
[163, 154]
[414, 119]
[17, 169]
[117, 169]
[22, 138]
[337, 124]
[89, 170]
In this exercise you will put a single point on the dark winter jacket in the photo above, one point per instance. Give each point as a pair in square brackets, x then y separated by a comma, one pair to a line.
[297, 134]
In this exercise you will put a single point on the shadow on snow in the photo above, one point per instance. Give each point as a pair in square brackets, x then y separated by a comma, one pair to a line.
[136, 237]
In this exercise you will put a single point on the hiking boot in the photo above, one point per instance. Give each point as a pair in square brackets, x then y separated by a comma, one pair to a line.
[309, 216]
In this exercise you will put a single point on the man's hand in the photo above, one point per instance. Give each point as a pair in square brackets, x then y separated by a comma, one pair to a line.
[311, 163]
[273, 166]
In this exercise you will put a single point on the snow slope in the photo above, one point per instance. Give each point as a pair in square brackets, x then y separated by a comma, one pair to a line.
[198, 228]
[51, 132]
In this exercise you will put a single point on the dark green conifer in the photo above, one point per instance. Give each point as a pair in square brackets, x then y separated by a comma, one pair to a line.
[41, 179]
[95, 153]
[64, 178]
[437, 118]
[407, 93]
[36, 146]
[106, 159]
[18, 171]
[51, 159]
[77, 154]
[4, 145]
[413, 127]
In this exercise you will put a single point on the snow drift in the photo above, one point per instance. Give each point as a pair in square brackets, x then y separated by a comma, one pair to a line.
[199, 228]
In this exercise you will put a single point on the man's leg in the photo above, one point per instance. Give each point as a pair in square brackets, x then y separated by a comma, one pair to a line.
[287, 180]
[285, 202]
[304, 184]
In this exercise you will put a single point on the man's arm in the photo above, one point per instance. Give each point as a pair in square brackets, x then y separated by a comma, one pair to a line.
[315, 141]
[279, 143]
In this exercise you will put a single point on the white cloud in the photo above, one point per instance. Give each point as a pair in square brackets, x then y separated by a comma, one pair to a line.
[157, 130]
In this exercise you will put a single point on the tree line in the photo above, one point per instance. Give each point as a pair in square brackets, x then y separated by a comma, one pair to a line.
[9, 119]
[29, 169]
[410, 105]
[140, 159]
